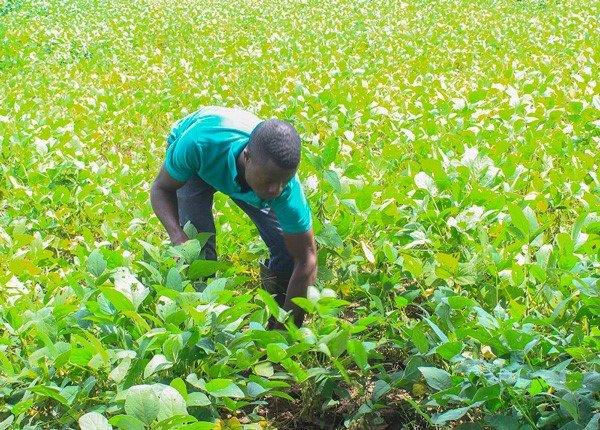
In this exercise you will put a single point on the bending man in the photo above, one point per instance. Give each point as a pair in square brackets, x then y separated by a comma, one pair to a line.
[255, 163]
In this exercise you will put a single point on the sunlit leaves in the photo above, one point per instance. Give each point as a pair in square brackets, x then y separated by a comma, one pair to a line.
[449, 157]
[94, 421]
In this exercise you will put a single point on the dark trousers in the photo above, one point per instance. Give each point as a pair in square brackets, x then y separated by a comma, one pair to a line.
[195, 201]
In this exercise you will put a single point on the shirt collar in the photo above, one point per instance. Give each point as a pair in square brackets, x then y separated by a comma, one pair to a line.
[234, 152]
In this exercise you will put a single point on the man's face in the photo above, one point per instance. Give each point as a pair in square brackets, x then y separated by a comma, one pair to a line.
[266, 178]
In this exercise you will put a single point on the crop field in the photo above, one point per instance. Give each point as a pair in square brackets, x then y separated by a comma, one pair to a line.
[450, 156]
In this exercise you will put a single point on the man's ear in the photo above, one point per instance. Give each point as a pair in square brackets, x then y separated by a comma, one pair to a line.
[246, 155]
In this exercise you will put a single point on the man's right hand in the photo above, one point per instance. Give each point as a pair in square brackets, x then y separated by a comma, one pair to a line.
[179, 238]
[163, 197]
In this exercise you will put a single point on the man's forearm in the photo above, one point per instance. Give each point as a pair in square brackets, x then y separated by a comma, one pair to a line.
[164, 204]
[302, 276]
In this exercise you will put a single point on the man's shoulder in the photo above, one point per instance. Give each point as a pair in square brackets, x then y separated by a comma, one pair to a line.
[235, 118]
[292, 193]
[215, 119]
[292, 208]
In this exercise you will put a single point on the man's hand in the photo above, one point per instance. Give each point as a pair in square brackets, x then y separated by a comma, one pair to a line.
[179, 239]
[303, 250]
[163, 197]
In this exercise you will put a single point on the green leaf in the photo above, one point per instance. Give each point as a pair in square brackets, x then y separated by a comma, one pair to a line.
[449, 349]
[569, 403]
[574, 381]
[334, 180]
[94, 421]
[281, 395]
[51, 392]
[22, 406]
[484, 394]
[337, 343]
[171, 403]
[272, 305]
[419, 339]
[594, 423]
[448, 266]
[120, 371]
[451, 415]
[190, 250]
[5, 424]
[358, 352]
[477, 95]
[275, 352]
[224, 388]
[413, 265]
[172, 347]
[294, 368]
[254, 389]
[165, 307]
[439, 333]
[502, 422]
[436, 378]
[329, 237]
[264, 369]
[200, 425]
[117, 299]
[190, 230]
[202, 238]
[305, 304]
[194, 381]
[151, 250]
[7, 366]
[381, 389]
[142, 403]
[212, 290]
[128, 284]
[127, 422]
[575, 107]
[174, 280]
[198, 399]
[330, 151]
[179, 385]
[363, 199]
[157, 363]
[204, 268]
[175, 422]
[390, 252]
[96, 264]
[519, 220]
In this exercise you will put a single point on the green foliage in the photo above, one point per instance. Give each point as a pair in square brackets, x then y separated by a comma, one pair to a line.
[451, 162]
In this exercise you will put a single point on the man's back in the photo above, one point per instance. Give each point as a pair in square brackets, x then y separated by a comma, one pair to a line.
[214, 119]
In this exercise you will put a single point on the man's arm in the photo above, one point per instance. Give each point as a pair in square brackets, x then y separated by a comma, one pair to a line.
[163, 197]
[303, 250]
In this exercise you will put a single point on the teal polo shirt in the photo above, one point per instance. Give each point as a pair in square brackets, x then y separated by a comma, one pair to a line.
[207, 143]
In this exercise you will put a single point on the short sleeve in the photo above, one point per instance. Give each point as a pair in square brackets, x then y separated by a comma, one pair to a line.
[292, 209]
[182, 159]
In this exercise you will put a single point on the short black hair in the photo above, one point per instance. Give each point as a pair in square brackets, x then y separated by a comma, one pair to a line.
[277, 141]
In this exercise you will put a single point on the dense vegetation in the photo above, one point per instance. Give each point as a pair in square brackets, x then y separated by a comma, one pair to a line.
[451, 162]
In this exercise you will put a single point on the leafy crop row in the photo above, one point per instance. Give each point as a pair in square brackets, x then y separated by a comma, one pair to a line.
[451, 162]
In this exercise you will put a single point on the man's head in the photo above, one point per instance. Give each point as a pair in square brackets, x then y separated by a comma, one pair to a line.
[271, 157]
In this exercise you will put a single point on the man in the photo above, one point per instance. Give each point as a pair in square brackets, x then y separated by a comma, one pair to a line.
[255, 163]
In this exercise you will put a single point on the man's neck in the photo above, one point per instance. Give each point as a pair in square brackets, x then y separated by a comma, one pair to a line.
[241, 176]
